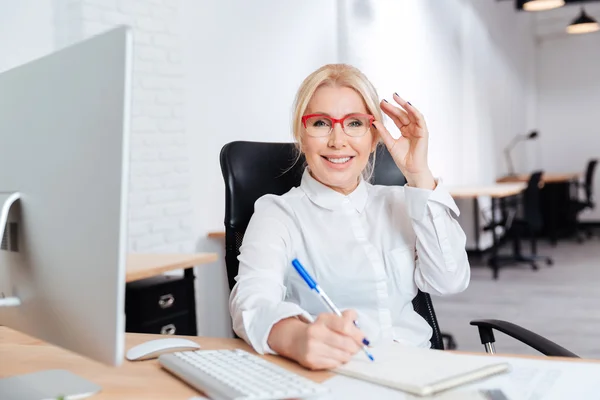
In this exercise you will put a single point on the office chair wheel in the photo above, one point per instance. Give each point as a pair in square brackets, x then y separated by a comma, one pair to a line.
[549, 261]
[534, 266]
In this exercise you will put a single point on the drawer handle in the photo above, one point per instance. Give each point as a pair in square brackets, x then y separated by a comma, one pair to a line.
[168, 330]
[166, 301]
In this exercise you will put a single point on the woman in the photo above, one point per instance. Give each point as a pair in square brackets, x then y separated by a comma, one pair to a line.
[369, 247]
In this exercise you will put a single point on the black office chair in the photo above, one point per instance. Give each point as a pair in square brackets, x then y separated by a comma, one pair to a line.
[386, 172]
[577, 205]
[253, 169]
[529, 224]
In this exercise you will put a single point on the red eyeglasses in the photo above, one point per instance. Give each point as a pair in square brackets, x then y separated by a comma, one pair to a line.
[321, 125]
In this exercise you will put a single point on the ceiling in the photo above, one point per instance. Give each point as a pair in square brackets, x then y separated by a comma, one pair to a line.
[552, 23]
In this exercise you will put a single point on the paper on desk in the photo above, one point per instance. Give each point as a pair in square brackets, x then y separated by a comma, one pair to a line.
[546, 380]
[343, 387]
[527, 380]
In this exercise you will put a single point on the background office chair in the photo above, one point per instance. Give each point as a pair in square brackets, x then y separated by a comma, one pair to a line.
[529, 224]
[253, 169]
[577, 205]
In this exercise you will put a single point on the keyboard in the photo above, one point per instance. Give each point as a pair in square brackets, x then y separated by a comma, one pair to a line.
[237, 375]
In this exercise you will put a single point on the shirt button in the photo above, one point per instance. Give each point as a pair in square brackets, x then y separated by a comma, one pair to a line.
[346, 201]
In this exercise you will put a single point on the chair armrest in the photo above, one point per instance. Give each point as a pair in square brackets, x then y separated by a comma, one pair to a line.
[523, 335]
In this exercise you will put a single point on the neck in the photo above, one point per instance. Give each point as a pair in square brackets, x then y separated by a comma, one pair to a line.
[345, 190]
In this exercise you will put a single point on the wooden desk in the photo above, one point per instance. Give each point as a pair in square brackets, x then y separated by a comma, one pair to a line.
[22, 354]
[142, 294]
[546, 177]
[142, 266]
[132, 380]
[497, 192]
[216, 235]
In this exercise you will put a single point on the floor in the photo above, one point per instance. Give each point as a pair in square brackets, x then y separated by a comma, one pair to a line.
[560, 302]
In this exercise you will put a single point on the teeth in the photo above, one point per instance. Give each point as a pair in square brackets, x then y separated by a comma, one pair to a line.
[339, 160]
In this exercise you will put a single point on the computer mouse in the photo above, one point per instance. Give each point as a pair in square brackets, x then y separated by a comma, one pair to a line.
[154, 348]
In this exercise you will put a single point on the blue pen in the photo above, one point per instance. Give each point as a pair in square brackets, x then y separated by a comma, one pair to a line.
[314, 286]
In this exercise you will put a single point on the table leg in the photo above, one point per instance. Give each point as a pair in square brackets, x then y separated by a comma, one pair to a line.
[476, 221]
[553, 218]
[493, 262]
[190, 281]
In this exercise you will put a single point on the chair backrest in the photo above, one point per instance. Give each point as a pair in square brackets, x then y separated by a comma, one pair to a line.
[531, 202]
[589, 181]
[253, 169]
[386, 172]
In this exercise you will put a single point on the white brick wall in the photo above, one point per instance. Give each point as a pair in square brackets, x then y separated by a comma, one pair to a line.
[160, 205]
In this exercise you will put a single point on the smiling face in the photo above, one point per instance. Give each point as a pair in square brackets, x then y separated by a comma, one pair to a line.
[337, 160]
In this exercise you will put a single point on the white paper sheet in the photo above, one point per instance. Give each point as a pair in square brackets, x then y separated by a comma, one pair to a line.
[343, 387]
[528, 380]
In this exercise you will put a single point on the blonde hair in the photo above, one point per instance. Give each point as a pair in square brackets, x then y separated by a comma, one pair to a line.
[343, 75]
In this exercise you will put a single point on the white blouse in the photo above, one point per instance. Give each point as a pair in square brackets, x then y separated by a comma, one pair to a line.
[369, 251]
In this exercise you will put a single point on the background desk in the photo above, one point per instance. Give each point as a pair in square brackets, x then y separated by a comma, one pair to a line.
[132, 380]
[155, 303]
[497, 192]
[216, 235]
[555, 199]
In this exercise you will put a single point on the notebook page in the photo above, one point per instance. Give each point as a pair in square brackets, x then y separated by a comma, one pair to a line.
[409, 367]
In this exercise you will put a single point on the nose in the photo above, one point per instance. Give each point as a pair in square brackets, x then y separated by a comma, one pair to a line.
[337, 137]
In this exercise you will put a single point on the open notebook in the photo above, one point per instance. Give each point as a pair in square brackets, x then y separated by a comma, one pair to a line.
[418, 371]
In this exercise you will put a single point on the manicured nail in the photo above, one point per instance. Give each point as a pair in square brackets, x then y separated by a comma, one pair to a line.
[385, 100]
[409, 103]
[396, 94]
[366, 342]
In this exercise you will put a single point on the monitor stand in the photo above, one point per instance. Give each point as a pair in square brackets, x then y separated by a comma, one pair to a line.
[7, 200]
[46, 384]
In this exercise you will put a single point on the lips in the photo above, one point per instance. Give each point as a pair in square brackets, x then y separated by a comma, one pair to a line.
[338, 161]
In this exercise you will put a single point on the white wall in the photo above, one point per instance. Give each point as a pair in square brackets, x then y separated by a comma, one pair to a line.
[466, 64]
[569, 100]
[160, 198]
[27, 31]
[243, 64]
[210, 72]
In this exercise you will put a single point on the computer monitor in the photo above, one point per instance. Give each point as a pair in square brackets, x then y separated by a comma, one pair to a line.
[64, 158]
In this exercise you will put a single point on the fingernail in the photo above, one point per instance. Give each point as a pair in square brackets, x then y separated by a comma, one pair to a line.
[409, 103]
[385, 100]
[366, 342]
[396, 94]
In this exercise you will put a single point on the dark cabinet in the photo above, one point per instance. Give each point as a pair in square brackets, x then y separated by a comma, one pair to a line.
[161, 305]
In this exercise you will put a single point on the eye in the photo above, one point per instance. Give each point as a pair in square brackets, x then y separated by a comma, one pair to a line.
[355, 123]
[319, 123]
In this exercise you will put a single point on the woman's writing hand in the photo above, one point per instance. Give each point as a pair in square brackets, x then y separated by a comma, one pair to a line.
[325, 344]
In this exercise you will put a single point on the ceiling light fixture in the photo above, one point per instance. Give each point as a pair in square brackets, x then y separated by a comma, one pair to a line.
[583, 24]
[542, 5]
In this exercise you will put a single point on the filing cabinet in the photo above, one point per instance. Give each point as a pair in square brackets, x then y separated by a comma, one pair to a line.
[161, 305]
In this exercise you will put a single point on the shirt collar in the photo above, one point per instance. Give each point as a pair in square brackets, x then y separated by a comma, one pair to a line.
[325, 197]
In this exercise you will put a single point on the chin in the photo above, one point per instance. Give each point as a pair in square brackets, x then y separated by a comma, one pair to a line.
[340, 179]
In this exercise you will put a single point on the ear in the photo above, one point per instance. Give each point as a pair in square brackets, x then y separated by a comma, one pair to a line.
[376, 141]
